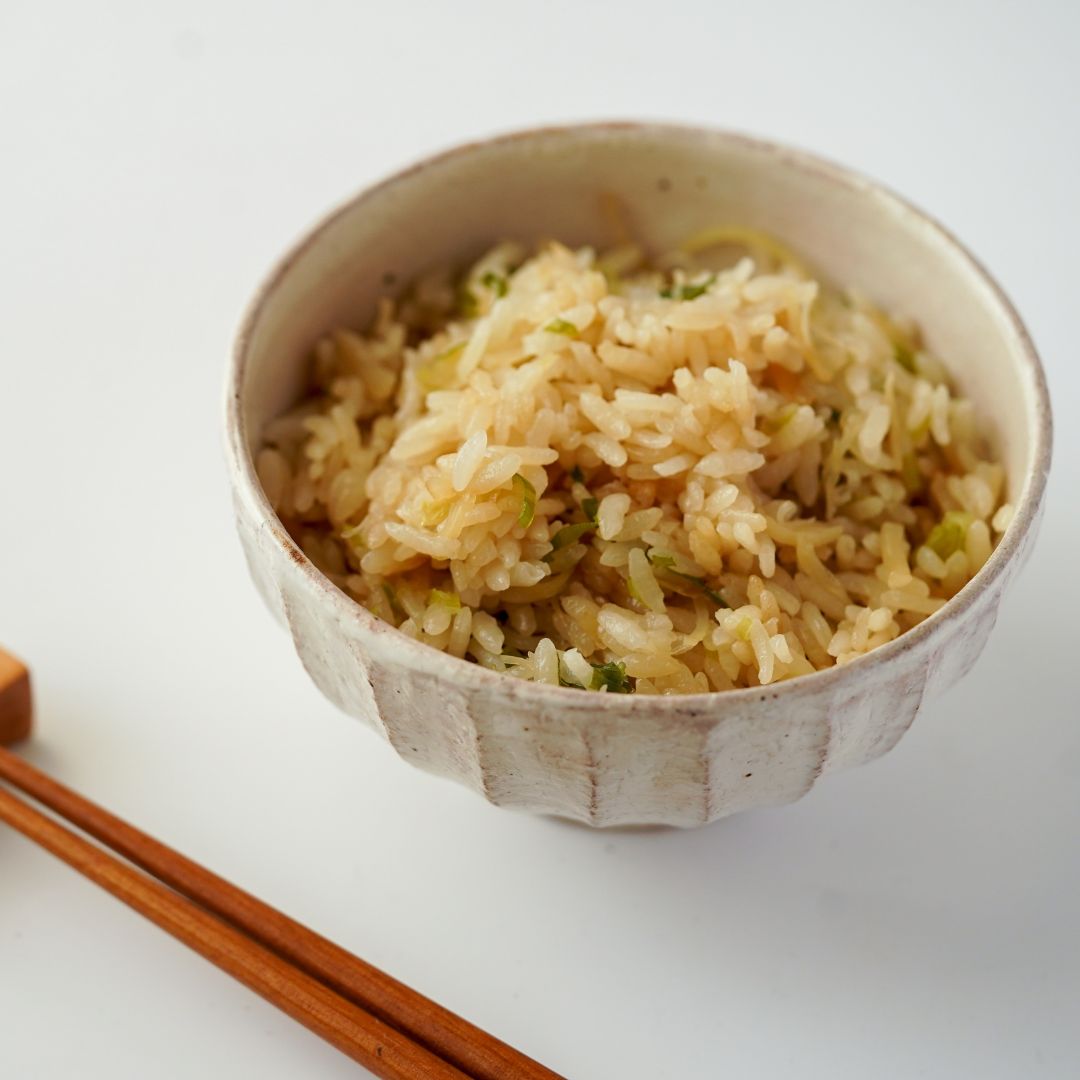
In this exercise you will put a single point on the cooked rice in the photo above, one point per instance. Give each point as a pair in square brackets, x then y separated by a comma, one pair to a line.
[660, 479]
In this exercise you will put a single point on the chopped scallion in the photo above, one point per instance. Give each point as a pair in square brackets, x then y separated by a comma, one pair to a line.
[440, 373]
[468, 306]
[495, 282]
[445, 599]
[688, 292]
[904, 356]
[667, 562]
[612, 676]
[571, 534]
[392, 598]
[950, 534]
[562, 326]
[527, 492]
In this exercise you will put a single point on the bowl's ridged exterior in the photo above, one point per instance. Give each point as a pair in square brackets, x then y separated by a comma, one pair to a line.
[681, 766]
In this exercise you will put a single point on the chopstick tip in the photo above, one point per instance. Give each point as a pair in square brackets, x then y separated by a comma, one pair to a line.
[16, 700]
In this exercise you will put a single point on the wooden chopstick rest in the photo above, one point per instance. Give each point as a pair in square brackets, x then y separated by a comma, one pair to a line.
[16, 703]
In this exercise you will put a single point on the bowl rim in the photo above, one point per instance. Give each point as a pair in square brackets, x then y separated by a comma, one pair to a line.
[416, 656]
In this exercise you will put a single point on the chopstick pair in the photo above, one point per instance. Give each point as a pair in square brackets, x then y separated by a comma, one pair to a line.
[395, 1032]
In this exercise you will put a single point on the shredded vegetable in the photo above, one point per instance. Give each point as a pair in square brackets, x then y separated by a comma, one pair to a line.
[701, 583]
[434, 512]
[949, 534]
[495, 282]
[562, 326]
[447, 600]
[392, 598]
[440, 373]
[570, 534]
[911, 474]
[467, 305]
[688, 292]
[667, 563]
[613, 678]
[904, 356]
[523, 488]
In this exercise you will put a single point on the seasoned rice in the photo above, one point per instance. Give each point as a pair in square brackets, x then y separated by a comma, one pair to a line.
[657, 478]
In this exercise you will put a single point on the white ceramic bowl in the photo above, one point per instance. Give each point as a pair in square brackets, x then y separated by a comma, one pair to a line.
[614, 759]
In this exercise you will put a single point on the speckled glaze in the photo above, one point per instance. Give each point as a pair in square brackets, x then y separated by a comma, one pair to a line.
[613, 759]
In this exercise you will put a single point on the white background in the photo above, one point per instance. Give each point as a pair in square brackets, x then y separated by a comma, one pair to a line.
[915, 918]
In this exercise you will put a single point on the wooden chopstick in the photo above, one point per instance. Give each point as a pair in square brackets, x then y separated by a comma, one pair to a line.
[385, 1052]
[443, 1034]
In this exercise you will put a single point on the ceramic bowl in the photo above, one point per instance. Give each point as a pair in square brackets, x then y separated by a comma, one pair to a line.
[614, 759]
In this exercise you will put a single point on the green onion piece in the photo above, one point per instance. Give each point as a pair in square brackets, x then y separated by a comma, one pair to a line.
[392, 598]
[904, 356]
[562, 562]
[445, 599]
[571, 534]
[613, 676]
[949, 534]
[692, 292]
[435, 512]
[700, 582]
[688, 292]
[774, 424]
[527, 492]
[561, 326]
[440, 373]
[667, 562]
[911, 474]
[467, 304]
[354, 537]
[495, 282]
[918, 434]
[589, 507]
[715, 597]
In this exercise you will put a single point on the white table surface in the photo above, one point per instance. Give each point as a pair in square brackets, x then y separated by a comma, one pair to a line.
[919, 917]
